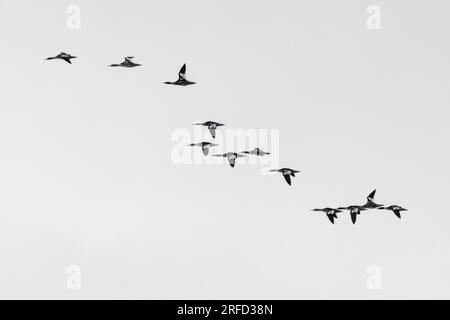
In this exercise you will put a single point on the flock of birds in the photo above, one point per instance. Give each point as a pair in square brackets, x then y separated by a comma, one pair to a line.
[232, 156]
[356, 210]
[287, 173]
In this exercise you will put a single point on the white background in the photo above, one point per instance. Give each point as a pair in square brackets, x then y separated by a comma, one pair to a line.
[87, 179]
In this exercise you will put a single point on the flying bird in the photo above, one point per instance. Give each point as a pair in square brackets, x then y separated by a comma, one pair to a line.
[232, 156]
[205, 146]
[127, 63]
[63, 56]
[256, 152]
[182, 81]
[370, 204]
[397, 210]
[287, 173]
[354, 211]
[330, 212]
[212, 126]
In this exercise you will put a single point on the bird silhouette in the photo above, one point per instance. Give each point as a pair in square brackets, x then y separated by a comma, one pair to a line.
[256, 152]
[232, 156]
[330, 213]
[63, 56]
[397, 210]
[354, 211]
[211, 125]
[370, 204]
[182, 81]
[287, 173]
[205, 146]
[127, 63]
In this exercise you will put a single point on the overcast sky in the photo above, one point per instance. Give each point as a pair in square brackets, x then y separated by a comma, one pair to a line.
[88, 177]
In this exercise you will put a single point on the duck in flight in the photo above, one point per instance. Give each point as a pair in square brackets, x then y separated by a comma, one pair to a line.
[182, 81]
[287, 173]
[127, 63]
[354, 211]
[63, 56]
[330, 212]
[232, 156]
[205, 146]
[212, 126]
[397, 210]
[257, 152]
[370, 204]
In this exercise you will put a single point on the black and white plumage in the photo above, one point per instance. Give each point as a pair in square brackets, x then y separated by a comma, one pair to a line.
[232, 156]
[397, 210]
[354, 211]
[256, 152]
[182, 81]
[330, 213]
[205, 146]
[211, 125]
[370, 204]
[63, 56]
[127, 63]
[287, 173]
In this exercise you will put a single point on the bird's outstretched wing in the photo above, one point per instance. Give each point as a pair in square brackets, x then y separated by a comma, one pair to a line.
[213, 132]
[67, 59]
[354, 216]
[331, 217]
[371, 196]
[182, 73]
[205, 149]
[397, 213]
[288, 178]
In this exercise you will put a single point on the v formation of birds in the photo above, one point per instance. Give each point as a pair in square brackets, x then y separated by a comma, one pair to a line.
[331, 213]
